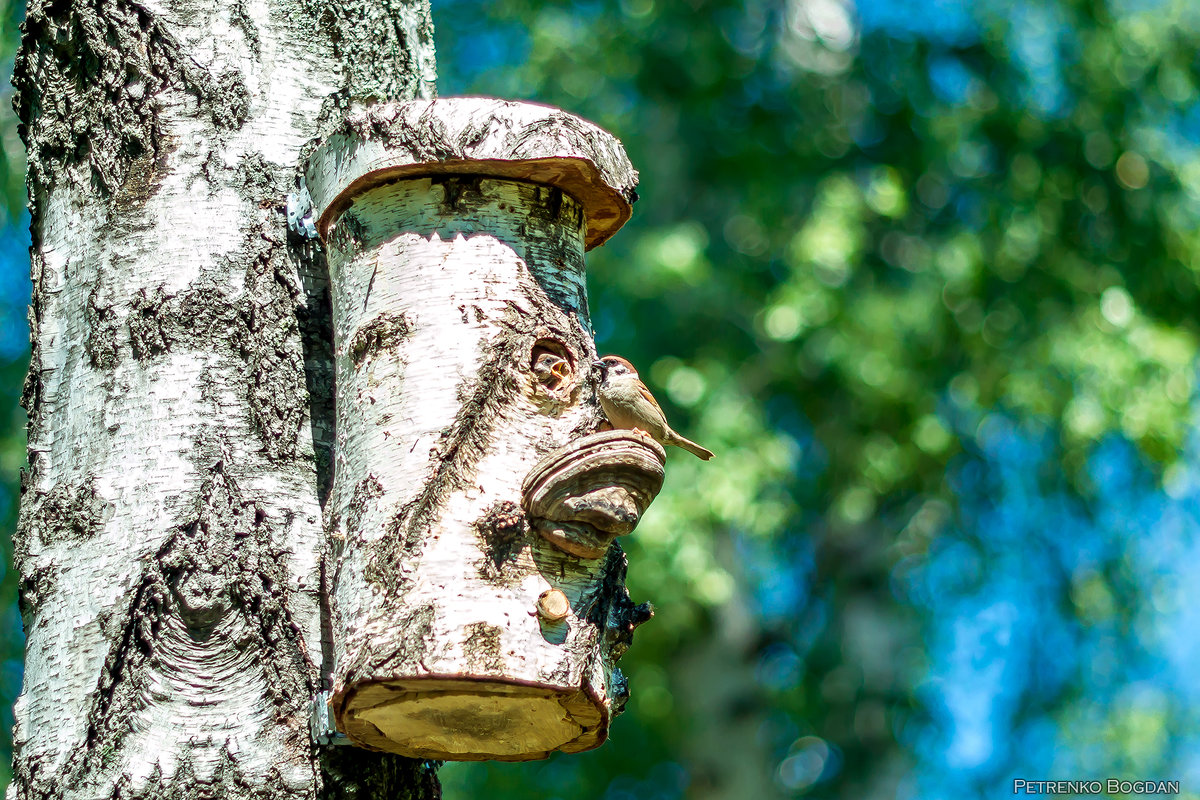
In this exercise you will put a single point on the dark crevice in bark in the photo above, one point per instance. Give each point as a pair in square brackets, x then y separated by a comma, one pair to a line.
[314, 320]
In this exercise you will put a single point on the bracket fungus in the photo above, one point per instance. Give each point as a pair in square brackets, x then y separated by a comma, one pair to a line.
[587, 493]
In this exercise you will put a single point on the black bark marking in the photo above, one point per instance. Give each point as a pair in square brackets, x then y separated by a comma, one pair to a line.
[148, 327]
[228, 101]
[368, 489]
[380, 335]
[410, 648]
[68, 513]
[256, 181]
[241, 19]
[549, 245]
[88, 75]
[33, 388]
[482, 648]
[270, 344]
[32, 392]
[612, 593]
[101, 342]
[503, 532]
[36, 586]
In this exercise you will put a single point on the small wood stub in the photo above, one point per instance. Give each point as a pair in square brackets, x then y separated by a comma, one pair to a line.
[461, 719]
[553, 605]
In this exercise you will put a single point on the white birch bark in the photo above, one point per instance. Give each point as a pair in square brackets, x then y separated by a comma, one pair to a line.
[171, 541]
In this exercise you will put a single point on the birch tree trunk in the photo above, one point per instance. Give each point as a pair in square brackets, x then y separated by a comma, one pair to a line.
[180, 393]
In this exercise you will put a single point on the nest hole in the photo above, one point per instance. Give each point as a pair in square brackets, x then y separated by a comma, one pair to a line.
[552, 365]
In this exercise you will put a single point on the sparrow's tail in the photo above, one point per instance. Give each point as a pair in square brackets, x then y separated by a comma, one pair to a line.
[692, 447]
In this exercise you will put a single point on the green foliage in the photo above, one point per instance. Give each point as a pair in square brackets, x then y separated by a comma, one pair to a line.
[12, 152]
[850, 249]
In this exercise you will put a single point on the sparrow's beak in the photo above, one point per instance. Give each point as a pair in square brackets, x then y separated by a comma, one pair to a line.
[600, 365]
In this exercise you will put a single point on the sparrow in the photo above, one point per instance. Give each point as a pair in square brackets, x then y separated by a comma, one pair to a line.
[551, 369]
[628, 404]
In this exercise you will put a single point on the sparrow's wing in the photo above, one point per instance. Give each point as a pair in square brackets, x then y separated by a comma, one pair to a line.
[644, 392]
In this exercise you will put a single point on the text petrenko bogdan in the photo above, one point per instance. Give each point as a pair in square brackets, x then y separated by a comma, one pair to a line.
[1107, 786]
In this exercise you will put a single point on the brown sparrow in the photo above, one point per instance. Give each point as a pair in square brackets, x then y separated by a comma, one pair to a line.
[628, 404]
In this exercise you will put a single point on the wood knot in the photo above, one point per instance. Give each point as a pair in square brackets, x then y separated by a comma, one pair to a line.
[584, 495]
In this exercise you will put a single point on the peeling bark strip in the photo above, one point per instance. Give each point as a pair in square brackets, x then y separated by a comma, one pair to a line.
[170, 541]
[462, 348]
